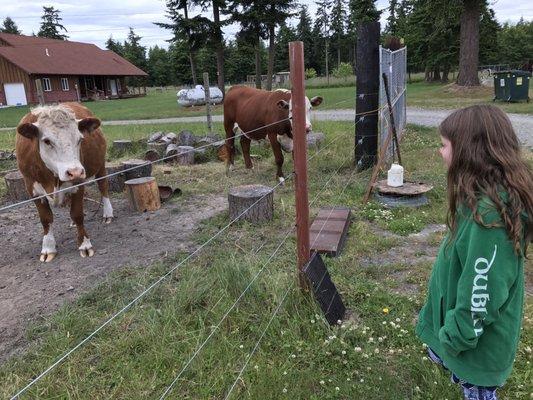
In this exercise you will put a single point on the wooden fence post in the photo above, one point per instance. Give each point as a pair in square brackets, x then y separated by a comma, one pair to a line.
[296, 57]
[208, 103]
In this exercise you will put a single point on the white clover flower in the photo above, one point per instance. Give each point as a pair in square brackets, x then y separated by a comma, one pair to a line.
[376, 351]
[348, 379]
[293, 355]
[241, 347]
[312, 321]
[362, 380]
[284, 372]
[284, 390]
[343, 352]
[357, 349]
[322, 382]
[337, 388]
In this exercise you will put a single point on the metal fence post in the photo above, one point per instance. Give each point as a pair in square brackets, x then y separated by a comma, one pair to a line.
[296, 58]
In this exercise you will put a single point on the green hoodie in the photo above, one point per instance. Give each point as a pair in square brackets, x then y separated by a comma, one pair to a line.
[474, 308]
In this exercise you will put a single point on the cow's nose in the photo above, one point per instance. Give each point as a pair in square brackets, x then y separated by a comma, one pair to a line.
[75, 173]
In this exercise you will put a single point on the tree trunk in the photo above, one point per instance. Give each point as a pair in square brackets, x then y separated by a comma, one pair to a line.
[436, 74]
[469, 50]
[427, 74]
[258, 64]
[445, 74]
[219, 48]
[271, 53]
[327, 66]
[191, 52]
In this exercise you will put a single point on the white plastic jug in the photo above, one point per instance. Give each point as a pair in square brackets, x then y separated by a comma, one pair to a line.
[395, 175]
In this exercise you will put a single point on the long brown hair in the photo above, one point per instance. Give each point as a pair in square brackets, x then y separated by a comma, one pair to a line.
[486, 160]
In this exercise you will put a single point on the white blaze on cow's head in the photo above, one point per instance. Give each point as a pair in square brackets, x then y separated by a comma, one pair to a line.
[60, 136]
[286, 143]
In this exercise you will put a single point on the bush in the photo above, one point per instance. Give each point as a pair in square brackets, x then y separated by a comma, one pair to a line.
[310, 73]
[344, 70]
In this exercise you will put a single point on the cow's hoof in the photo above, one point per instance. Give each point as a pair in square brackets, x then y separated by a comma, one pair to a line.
[47, 257]
[86, 248]
[87, 253]
[107, 220]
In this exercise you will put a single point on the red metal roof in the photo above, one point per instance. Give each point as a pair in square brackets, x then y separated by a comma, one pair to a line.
[37, 55]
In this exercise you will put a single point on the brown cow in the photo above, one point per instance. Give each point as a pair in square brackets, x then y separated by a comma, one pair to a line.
[57, 147]
[246, 109]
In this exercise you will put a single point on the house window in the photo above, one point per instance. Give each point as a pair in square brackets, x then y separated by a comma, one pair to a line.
[47, 86]
[64, 84]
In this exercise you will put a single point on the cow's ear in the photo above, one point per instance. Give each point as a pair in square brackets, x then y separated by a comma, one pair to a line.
[283, 105]
[316, 101]
[88, 125]
[28, 130]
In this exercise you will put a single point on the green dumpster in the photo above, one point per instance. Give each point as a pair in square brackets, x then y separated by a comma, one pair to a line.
[511, 85]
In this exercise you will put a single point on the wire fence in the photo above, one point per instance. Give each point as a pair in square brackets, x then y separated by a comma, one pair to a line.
[394, 65]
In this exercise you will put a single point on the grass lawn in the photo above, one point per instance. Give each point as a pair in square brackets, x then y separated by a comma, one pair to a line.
[163, 105]
[375, 355]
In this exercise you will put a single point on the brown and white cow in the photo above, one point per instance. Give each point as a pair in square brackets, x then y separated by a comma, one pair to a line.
[58, 147]
[246, 109]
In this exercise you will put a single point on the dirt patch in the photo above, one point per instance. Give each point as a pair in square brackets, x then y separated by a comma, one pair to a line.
[400, 264]
[30, 290]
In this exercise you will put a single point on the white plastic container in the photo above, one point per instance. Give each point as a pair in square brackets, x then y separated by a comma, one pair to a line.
[395, 175]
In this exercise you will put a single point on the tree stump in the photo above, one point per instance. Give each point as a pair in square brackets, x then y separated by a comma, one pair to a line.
[16, 188]
[154, 137]
[183, 155]
[122, 146]
[116, 182]
[143, 194]
[240, 198]
[186, 138]
[315, 139]
[168, 138]
[155, 151]
[143, 169]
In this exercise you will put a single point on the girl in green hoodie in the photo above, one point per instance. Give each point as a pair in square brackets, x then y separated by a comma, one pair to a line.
[472, 317]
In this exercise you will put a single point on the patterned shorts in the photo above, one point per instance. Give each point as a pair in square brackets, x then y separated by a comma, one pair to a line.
[470, 392]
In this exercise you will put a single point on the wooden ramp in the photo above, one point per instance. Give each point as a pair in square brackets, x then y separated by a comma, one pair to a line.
[329, 230]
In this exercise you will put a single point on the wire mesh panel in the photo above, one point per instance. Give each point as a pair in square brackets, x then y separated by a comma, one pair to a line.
[394, 64]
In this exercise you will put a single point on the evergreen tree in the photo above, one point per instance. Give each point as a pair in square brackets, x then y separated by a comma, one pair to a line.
[158, 67]
[115, 46]
[285, 35]
[240, 59]
[277, 11]
[516, 43]
[338, 20]
[305, 34]
[469, 42]
[489, 28]
[51, 24]
[392, 19]
[365, 10]
[9, 26]
[135, 53]
[322, 31]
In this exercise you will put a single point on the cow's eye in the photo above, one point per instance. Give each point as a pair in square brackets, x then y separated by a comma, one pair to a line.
[47, 142]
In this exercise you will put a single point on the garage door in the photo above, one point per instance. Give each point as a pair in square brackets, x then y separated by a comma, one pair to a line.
[15, 94]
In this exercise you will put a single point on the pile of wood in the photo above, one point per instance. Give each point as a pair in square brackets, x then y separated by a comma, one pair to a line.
[7, 155]
[183, 148]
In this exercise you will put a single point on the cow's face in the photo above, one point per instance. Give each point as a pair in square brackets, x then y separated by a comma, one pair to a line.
[286, 142]
[59, 137]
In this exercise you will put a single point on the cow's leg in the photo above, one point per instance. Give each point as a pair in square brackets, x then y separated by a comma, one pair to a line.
[103, 186]
[245, 145]
[230, 144]
[278, 156]
[48, 251]
[76, 213]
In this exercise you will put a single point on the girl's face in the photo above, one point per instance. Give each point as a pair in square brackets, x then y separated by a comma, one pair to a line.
[446, 151]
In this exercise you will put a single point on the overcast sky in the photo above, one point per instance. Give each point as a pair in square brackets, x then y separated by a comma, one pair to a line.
[93, 21]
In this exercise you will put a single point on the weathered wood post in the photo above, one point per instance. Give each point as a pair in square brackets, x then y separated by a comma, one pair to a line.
[208, 103]
[367, 100]
[296, 58]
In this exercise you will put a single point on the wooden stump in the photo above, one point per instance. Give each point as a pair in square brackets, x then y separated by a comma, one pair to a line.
[116, 182]
[144, 169]
[168, 138]
[154, 137]
[241, 198]
[143, 194]
[16, 188]
[186, 138]
[155, 151]
[315, 139]
[183, 155]
[122, 146]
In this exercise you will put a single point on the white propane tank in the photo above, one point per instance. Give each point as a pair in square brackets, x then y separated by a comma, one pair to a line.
[395, 175]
